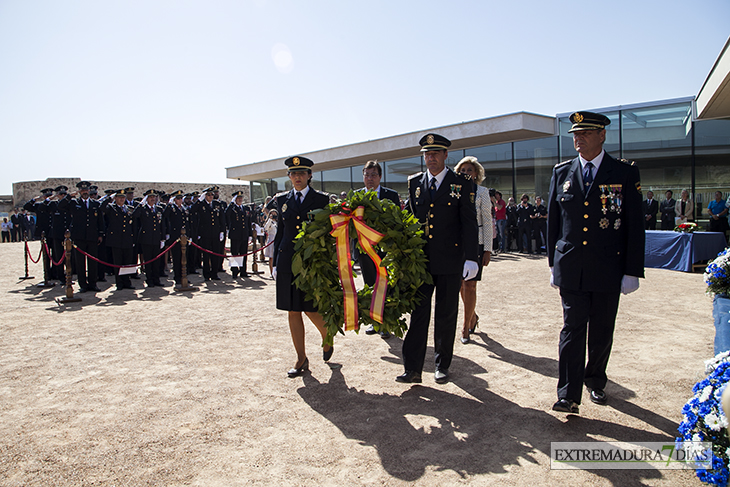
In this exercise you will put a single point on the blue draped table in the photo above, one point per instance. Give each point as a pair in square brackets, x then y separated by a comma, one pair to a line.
[678, 251]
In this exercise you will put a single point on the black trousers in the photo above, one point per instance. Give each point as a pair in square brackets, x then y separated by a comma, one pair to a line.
[91, 247]
[210, 261]
[121, 256]
[591, 316]
[239, 247]
[176, 254]
[447, 288]
[151, 270]
[524, 233]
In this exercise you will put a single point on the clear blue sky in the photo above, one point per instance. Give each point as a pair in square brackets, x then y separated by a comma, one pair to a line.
[180, 90]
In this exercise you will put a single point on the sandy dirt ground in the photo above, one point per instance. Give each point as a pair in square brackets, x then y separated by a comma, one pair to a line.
[154, 387]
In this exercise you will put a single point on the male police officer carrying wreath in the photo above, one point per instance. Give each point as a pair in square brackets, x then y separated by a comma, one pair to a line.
[443, 202]
[595, 251]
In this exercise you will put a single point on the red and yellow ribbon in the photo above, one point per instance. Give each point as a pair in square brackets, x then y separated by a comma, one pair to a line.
[367, 237]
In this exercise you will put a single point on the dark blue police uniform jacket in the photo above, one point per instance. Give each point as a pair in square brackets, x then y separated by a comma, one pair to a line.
[595, 239]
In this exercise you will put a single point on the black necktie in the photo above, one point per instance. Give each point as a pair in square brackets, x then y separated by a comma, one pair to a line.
[588, 177]
[299, 197]
[432, 189]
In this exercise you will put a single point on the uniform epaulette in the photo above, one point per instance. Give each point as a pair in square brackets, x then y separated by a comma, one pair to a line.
[413, 176]
[627, 162]
[281, 194]
[561, 164]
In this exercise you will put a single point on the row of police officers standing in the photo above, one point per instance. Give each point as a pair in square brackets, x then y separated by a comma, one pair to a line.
[118, 227]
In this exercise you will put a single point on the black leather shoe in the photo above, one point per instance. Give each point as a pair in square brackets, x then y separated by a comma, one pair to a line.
[95, 289]
[326, 355]
[297, 371]
[598, 396]
[370, 330]
[409, 377]
[129, 287]
[83, 290]
[385, 335]
[566, 406]
[215, 278]
[441, 376]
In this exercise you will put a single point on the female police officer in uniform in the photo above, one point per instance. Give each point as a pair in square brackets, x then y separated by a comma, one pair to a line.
[293, 207]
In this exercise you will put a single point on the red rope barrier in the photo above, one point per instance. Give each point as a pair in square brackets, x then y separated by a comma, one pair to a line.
[48, 252]
[27, 250]
[127, 265]
[229, 256]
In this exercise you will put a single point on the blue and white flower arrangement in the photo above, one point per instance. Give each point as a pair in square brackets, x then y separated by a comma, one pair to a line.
[705, 420]
[717, 274]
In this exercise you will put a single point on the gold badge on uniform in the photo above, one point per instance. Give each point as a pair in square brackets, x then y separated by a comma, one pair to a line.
[566, 186]
[429, 139]
[295, 161]
[471, 197]
[603, 223]
[283, 208]
[418, 192]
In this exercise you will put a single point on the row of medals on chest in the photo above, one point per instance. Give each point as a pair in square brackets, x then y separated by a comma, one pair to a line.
[611, 201]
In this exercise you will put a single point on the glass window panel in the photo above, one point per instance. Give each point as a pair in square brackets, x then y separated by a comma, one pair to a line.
[280, 184]
[497, 162]
[395, 174]
[712, 162]
[612, 144]
[659, 139]
[454, 157]
[534, 162]
[336, 181]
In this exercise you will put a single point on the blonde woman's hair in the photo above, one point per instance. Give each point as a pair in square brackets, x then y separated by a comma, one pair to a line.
[478, 168]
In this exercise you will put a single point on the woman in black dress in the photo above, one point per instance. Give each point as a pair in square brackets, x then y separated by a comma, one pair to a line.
[293, 207]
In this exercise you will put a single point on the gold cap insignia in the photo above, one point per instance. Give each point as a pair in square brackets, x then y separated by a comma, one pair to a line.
[578, 118]
[295, 161]
[429, 139]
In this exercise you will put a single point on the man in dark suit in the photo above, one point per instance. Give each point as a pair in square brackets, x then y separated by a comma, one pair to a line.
[149, 234]
[238, 221]
[120, 235]
[60, 222]
[443, 202]
[524, 224]
[595, 252]
[87, 230]
[667, 208]
[650, 207]
[372, 173]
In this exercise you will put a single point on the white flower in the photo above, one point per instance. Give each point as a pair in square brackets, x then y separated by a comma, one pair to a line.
[711, 365]
[727, 452]
[696, 437]
[706, 394]
[714, 422]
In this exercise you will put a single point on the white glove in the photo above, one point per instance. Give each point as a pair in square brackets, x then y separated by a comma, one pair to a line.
[552, 279]
[273, 273]
[470, 270]
[167, 237]
[221, 236]
[629, 284]
[162, 244]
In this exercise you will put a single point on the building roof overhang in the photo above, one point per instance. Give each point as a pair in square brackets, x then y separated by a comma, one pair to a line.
[713, 99]
[495, 130]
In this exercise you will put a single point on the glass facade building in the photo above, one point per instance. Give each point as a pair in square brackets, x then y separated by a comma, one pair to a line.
[672, 149]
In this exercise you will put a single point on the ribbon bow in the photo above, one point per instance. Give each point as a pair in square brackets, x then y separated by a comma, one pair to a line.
[367, 238]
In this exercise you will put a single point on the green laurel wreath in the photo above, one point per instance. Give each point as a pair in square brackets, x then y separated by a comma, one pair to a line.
[315, 263]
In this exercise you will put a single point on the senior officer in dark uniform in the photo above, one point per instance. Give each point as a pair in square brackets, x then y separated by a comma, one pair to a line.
[60, 222]
[120, 235]
[149, 235]
[443, 202]
[211, 230]
[87, 231]
[176, 217]
[293, 207]
[595, 252]
[238, 221]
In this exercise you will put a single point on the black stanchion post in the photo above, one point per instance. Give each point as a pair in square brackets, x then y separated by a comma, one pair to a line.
[25, 252]
[68, 246]
[46, 264]
[184, 285]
